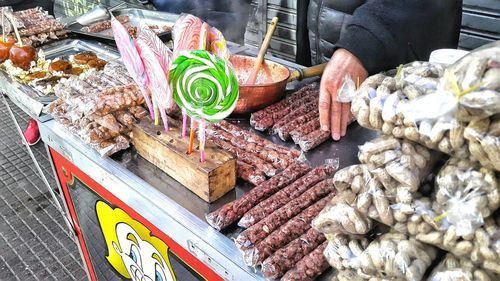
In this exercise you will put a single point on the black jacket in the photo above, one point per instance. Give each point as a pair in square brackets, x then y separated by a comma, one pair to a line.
[382, 33]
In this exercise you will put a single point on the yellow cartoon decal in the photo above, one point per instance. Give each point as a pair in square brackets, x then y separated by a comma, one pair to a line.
[132, 250]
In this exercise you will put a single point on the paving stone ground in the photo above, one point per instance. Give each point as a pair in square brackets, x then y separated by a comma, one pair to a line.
[34, 240]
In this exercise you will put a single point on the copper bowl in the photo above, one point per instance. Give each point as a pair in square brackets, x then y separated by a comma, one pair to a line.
[270, 87]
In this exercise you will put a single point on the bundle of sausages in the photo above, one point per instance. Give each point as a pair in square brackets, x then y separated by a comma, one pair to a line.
[278, 215]
[257, 158]
[296, 117]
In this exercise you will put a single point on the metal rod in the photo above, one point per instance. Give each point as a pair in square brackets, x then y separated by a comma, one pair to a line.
[38, 168]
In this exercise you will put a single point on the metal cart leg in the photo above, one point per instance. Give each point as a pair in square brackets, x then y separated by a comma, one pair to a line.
[40, 172]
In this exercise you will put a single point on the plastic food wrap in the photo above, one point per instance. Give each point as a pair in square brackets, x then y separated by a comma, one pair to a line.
[285, 130]
[340, 217]
[483, 136]
[287, 257]
[309, 267]
[397, 164]
[290, 230]
[308, 104]
[312, 139]
[452, 268]
[437, 115]
[282, 197]
[285, 153]
[248, 158]
[389, 256]
[265, 118]
[273, 157]
[343, 252]
[465, 194]
[256, 233]
[250, 174]
[476, 80]
[232, 211]
[481, 247]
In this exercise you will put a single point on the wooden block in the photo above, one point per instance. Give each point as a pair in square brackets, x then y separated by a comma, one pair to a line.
[168, 151]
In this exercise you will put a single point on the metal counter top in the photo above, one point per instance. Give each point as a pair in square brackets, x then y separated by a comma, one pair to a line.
[174, 209]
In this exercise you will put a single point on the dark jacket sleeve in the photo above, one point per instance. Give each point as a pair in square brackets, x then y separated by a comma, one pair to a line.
[385, 33]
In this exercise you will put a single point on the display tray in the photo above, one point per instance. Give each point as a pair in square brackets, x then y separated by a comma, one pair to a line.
[137, 16]
[32, 99]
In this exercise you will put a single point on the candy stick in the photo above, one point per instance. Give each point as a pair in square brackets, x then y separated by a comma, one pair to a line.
[184, 122]
[191, 137]
[201, 138]
[156, 112]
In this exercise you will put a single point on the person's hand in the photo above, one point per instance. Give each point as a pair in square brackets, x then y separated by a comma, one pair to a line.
[333, 115]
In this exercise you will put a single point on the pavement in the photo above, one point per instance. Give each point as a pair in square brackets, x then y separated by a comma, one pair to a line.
[34, 239]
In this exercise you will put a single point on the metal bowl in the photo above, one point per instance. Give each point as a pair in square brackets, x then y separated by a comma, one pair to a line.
[270, 87]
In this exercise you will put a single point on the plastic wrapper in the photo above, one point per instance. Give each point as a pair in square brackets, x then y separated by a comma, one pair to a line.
[285, 153]
[340, 217]
[256, 233]
[343, 252]
[282, 197]
[475, 79]
[309, 267]
[481, 247]
[244, 156]
[389, 256]
[397, 164]
[312, 139]
[249, 173]
[292, 229]
[483, 136]
[284, 131]
[404, 107]
[287, 257]
[373, 200]
[265, 118]
[308, 104]
[232, 211]
[452, 268]
[465, 194]
[276, 159]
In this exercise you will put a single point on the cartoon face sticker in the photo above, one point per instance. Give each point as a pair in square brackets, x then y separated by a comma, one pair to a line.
[132, 250]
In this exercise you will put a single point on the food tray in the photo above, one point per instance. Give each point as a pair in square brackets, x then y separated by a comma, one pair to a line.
[136, 16]
[32, 100]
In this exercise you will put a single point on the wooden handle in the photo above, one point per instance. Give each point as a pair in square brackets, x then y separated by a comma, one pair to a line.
[262, 52]
[308, 72]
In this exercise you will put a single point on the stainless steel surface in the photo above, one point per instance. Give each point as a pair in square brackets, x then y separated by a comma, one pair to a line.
[137, 17]
[175, 210]
[98, 13]
[31, 100]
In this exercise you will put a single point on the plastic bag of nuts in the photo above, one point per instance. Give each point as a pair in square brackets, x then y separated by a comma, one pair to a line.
[475, 79]
[484, 141]
[408, 106]
[398, 164]
[464, 195]
[372, 200]
[453, 268]
[389, 256]
[340, 216]
[482, 247]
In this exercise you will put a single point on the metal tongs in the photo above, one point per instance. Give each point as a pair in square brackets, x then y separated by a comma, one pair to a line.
[98, 13]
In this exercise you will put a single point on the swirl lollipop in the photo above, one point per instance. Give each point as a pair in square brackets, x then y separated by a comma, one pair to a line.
[205, 86]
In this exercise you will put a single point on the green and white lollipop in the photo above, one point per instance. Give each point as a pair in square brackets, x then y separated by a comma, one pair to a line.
[204, 85]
